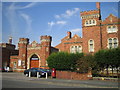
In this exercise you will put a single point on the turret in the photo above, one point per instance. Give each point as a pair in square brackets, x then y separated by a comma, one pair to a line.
[22, 45]
[46, 49]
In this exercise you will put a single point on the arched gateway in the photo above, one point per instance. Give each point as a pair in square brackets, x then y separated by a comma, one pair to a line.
[34, 61]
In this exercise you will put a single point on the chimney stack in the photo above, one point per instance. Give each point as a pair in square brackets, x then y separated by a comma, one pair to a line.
[69, 34]
[10, 40]
[98, 5]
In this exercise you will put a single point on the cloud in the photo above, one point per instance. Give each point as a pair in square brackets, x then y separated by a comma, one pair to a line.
[27, 6]
[116, 11]
[75, 30]
[57, 16]
[28, 21]
[51, 23]
[61, 22]
[68, 13]
[56, 23]
[13, 16]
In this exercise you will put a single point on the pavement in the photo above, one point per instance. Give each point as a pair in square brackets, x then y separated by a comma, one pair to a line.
[63, 82]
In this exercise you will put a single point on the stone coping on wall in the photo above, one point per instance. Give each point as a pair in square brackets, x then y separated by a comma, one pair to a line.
[73, 75]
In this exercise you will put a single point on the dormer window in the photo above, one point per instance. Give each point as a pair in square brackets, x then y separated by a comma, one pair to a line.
[90, 22]
[112, 29]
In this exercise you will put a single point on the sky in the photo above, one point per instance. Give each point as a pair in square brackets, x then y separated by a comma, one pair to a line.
[34, 19]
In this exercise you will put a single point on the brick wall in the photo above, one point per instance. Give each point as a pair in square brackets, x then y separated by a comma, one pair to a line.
[73, 75]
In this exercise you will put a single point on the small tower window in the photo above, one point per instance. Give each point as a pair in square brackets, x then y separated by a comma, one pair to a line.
[86, 22]
[93, 21]
[90, 21]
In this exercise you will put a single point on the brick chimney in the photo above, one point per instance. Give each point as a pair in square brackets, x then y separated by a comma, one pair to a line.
[10, 40]
[98, 5]
[69, 34]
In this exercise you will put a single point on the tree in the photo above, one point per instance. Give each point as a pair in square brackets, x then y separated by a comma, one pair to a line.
[85, 63]
[108, 57]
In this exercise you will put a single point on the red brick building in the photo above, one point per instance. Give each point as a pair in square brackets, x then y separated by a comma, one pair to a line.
[97, 34]
[32, 55]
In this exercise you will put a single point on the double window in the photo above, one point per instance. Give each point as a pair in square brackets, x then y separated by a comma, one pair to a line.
[112, 43]
[112, 29]
[91, 45]
[75, 49]
[90, 22]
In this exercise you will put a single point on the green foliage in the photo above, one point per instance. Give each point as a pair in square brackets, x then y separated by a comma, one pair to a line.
[109, 57]
[85, 63]
[63, 60]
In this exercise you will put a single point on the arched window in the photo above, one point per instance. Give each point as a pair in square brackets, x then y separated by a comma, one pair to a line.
[115, 44]
[79, 49]
[91, 45]
[112, 43]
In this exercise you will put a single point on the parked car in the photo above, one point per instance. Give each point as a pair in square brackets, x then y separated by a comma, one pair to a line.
[49, 71]
[34, 72]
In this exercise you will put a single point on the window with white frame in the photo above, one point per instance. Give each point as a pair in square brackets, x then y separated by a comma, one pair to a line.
[91, 45]
[112, 29]
[75, 49]
[112, 43]
[90, 22]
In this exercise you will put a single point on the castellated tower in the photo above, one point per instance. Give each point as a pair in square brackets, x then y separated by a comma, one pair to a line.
[91, 30]
[46, 49]
[22, 45]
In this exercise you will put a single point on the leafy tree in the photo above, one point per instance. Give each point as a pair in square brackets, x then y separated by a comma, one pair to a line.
[85, 63]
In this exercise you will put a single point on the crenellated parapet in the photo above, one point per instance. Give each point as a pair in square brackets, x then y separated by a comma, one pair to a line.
[46, 38]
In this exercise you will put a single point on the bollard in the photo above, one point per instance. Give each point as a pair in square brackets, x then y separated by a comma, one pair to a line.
[46, 75]
[29, 74]
[37, 74]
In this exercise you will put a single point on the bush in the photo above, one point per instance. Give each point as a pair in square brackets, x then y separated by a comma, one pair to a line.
[63, 60]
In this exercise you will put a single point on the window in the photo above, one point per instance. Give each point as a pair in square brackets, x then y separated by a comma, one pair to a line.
[115, 44]
[112, 43]
[91, 46]
[90, 22]
[112, 29]
[93, 21]
[86, 22]
[75, 49]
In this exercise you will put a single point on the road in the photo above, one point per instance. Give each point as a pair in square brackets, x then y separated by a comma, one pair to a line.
[18, 80]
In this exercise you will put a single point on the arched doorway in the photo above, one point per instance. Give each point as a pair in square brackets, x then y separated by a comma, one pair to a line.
[34, 61]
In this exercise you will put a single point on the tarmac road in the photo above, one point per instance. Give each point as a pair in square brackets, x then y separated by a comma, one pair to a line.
[18, 80]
